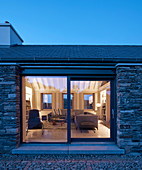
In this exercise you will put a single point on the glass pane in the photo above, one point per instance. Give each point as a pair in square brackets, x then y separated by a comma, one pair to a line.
[90, 116]
[71, 101]
[44, 118]
[47, 101]
[88, 101]
[65, 101]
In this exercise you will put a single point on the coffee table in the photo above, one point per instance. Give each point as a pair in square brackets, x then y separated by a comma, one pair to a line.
[59, 120]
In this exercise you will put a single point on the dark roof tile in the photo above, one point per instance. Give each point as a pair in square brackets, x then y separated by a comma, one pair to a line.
[71, 52]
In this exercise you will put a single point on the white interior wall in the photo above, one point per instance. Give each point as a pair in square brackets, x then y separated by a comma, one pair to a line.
[108, 105]
[4, 35]
[75, 102]
[81, 101]
[37, 100]
[57, 99]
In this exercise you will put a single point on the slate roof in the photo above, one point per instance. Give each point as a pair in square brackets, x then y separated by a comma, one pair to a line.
[103, 53]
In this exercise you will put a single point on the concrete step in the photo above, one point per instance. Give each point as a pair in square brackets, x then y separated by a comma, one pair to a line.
[68, 149]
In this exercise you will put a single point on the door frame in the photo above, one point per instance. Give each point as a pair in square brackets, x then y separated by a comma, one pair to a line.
[75, 74]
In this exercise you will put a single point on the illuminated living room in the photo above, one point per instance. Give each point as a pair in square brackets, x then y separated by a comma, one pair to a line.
[45, 109]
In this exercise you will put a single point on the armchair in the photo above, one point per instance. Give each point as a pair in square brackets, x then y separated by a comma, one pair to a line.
[34, 121]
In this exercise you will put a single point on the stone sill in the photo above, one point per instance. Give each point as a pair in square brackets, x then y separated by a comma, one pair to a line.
[74, 148]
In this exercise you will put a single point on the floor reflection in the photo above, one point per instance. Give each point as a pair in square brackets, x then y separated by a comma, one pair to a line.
[59, 133]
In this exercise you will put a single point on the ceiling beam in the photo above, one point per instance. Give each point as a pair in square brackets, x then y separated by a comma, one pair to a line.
[39, 81]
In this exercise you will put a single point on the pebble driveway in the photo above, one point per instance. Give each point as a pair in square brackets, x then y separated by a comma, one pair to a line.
[71, 162]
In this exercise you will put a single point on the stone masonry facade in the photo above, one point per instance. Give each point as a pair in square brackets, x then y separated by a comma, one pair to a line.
[129, 108]
[9, 108]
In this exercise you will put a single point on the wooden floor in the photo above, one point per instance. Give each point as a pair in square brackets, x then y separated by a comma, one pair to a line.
[59, 133]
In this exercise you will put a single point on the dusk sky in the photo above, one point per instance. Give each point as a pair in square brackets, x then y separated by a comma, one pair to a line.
[103, 22]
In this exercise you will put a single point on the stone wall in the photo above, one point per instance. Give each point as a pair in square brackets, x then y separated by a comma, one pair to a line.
[129, 108]
[9, 108]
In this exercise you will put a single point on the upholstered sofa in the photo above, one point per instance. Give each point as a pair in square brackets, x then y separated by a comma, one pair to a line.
[62, 114]
[86, 121]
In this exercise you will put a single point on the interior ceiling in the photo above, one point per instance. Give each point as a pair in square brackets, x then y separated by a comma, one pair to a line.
[60, 83]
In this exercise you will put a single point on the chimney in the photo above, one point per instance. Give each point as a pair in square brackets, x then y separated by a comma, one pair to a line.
[8, 35]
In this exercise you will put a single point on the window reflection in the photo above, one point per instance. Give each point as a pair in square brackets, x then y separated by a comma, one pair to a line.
[47, 101]
[65, 103]
[88, 101]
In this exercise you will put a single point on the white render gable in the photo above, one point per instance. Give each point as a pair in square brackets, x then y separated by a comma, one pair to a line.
[8, 35]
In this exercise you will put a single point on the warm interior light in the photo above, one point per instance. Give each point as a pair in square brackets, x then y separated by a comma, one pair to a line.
[90, 99]
[28, 93]
[98, 104]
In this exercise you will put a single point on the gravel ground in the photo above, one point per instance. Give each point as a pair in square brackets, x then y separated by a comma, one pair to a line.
[80, 162]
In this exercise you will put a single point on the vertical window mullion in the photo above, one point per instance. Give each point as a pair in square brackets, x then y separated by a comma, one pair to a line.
[68, 111]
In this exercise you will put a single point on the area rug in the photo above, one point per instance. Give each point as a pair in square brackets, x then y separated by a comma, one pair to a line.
[49, 125]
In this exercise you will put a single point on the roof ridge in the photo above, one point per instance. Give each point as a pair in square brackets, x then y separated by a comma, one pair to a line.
[82, 45]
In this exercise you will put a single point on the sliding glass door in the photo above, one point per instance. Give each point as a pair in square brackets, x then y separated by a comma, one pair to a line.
[44, 109]
[91, 115]
[57, 109]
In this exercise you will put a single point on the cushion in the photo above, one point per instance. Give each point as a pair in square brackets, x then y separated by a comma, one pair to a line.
[78, 112]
